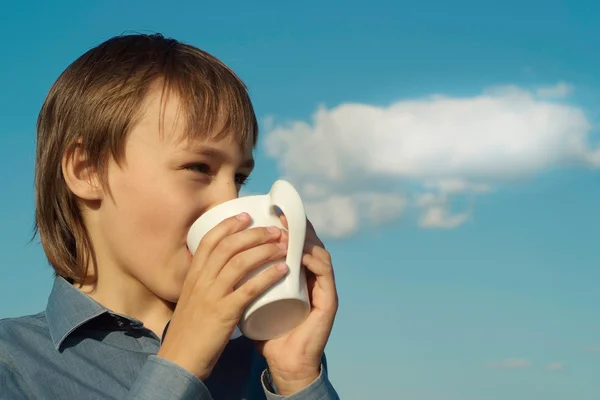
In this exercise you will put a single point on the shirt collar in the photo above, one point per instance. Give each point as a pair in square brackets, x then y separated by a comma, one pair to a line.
[68, 309]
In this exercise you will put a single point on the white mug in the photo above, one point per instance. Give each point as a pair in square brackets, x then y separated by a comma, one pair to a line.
[286, 304]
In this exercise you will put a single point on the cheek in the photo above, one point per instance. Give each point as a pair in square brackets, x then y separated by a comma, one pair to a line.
[148, 233]
[149, 222]
[149, 210]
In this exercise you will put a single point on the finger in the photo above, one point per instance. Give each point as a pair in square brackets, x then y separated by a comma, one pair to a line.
[243, 263]
[283, 220]
[311, 281]
[323, 277]
[210, 240]
[308, 239]
[235, 243]
[213, 237]
[316, 250]
[317, 266]
[254, 287]
[310, 229]
[309, 225]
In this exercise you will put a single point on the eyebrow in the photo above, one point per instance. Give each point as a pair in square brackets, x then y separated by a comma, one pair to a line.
[220, 156]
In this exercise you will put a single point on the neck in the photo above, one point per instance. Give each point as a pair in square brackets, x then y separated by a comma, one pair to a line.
[123, 294]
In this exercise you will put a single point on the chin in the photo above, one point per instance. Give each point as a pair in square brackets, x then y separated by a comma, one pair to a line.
[173, 284]
[169, 291]
[167, 284]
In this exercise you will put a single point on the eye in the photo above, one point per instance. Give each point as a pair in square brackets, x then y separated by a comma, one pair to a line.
[241, 179]
[204, 169]
[201, 168]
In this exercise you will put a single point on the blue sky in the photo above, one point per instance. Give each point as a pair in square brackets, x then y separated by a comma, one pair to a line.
[450, 162]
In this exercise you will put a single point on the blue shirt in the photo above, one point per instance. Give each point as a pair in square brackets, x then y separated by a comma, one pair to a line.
[78, 349]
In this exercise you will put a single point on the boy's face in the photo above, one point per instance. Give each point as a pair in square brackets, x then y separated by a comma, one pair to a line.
[163, 185]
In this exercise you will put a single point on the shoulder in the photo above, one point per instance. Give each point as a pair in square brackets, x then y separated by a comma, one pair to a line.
[11, 327]
[19, 354]
[18, 334]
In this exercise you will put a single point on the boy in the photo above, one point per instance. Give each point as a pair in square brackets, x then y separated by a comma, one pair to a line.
[136, 139]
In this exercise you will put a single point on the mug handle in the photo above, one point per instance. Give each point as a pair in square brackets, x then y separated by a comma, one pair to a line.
[284, 196]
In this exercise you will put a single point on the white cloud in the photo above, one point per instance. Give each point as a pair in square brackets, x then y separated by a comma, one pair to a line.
[457, 186]
[559, 90]
[439, 217]
[554, 366]
[511, 363]
[434, 204]
[334, 216]
[426, 153]
[338, 215]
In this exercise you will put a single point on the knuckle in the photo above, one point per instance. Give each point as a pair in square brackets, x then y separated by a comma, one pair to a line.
[206, 242]
[327, 269]
[228, 312]
[327, 258]
[237, 263]
[274, 248]
[250, 290]
[265, 234]
[226, 246]
[256, 235]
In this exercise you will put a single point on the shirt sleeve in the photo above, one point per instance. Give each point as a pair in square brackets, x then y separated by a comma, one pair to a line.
[161, 379]
[320, 389]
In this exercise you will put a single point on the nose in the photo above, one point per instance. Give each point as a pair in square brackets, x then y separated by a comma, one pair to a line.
[221, 191]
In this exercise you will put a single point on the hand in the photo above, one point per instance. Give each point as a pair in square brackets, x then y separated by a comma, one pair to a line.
[294, 359]
[210, 306]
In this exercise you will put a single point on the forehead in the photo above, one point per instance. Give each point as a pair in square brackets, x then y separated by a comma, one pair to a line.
[179, 124]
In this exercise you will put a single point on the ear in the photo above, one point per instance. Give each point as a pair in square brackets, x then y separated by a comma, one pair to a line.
[81, 177]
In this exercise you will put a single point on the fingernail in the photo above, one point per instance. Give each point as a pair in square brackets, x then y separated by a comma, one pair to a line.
[281, 267]
[273, 229]
[242, 216]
